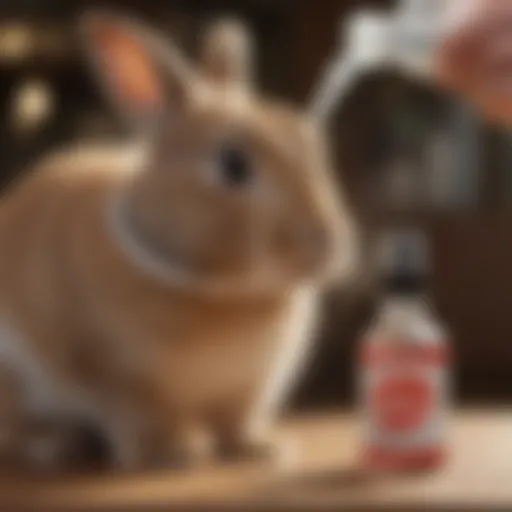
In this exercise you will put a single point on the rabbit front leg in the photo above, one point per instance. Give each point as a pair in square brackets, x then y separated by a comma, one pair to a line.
[180, 443]
[125, 440]
[243, 430]
[243, 425]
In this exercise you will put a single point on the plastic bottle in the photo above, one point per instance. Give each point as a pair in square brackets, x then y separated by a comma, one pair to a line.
[404, 366]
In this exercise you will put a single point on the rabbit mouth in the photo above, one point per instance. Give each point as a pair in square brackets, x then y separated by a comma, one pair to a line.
[328, 265]
[337, 266]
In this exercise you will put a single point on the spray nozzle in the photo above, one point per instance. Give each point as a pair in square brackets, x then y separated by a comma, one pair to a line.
[406, 38]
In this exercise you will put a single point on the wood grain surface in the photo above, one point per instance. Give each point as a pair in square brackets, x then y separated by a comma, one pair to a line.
[321, 473]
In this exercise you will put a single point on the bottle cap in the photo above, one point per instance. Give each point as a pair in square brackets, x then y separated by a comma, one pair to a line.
[404, 260]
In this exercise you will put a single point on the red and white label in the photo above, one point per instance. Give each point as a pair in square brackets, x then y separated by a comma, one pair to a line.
[404, 396]
[402, 403]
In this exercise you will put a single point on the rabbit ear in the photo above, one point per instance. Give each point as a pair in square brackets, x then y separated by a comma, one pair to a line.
[141, 72]
[228, 53]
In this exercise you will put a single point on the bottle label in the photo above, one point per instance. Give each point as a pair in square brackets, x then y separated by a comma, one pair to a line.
[404, 396]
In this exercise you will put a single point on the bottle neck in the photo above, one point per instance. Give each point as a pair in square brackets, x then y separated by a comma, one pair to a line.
[406, 284]
[410, 299]
[405, 302]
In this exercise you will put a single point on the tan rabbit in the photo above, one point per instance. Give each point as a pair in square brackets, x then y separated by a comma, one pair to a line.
[168, 290]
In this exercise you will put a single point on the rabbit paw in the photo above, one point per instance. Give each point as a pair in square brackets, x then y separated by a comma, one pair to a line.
[277, 452]
[175, 457]
[181, 451]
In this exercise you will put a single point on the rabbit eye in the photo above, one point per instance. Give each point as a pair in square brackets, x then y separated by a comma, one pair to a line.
[234, 166]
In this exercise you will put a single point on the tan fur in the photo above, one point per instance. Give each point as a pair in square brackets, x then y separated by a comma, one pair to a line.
[95, 338]
[102, 330]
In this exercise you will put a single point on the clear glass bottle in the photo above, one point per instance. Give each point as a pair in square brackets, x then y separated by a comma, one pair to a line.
[404, 366]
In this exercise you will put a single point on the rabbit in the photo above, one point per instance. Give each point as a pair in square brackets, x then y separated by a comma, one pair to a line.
[166, 290]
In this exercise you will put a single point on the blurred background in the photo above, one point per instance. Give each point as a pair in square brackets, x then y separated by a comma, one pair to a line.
[405, 153]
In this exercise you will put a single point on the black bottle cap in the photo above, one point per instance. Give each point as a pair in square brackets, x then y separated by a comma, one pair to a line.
[404, 261]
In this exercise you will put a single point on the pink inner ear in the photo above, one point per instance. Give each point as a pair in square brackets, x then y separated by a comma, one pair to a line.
[128, 66]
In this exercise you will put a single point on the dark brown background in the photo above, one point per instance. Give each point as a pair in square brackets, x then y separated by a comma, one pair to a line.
[472, 250]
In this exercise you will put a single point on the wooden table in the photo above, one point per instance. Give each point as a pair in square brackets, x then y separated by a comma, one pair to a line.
[323, 475]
